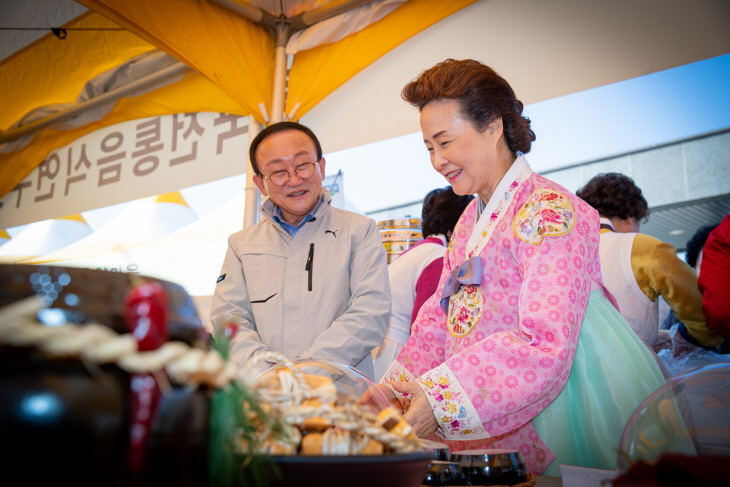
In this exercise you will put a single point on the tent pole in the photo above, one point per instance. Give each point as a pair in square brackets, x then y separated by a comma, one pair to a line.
[253, 195]
[281, 35]
[251, 204]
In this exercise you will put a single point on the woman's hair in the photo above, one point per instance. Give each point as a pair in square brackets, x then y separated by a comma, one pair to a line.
[615, 195]
[441, 210]
[696, 243]
[482, 94]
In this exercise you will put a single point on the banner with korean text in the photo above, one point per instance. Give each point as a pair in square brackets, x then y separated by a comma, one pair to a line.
[127, 161]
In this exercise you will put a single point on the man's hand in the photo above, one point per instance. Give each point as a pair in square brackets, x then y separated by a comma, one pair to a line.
[419, 415]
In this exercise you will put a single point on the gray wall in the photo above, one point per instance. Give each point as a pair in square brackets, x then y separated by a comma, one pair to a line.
[687, 184]
[682, 171]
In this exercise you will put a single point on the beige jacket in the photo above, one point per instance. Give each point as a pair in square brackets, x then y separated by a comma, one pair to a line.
[264, 288]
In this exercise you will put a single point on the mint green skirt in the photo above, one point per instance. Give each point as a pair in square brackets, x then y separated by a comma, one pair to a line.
[612, 373]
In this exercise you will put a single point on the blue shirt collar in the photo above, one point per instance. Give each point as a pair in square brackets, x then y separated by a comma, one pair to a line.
[291, 229]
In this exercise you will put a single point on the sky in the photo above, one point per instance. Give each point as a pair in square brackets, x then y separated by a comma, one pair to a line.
[590, 125]
[634, 114]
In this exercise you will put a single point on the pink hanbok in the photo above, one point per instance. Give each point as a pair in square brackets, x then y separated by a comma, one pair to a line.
[520, 302]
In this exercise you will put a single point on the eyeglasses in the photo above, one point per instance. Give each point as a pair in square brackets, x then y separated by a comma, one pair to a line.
[304, 171]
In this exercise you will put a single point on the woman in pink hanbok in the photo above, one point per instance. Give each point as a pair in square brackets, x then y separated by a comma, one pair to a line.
[521, 346]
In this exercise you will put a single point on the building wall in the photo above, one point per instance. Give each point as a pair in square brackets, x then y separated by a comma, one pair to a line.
[682, 171]
[686, 183]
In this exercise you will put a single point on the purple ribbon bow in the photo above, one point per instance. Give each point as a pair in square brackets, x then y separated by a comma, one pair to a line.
[470, 272]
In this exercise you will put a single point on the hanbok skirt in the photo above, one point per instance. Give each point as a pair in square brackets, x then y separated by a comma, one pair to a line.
[612, 373]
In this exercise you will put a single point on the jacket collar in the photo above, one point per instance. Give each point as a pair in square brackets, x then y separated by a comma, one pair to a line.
[268, 208]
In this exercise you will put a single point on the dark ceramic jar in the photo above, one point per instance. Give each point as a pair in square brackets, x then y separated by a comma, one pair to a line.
[63, 420]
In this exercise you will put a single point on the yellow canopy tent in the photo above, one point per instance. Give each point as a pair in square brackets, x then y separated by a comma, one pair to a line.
[243, 72]
[233, 59]
[546, 49]
[196, 35]
[50, 71]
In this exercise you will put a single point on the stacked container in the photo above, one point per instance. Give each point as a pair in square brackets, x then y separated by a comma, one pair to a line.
[399, 235]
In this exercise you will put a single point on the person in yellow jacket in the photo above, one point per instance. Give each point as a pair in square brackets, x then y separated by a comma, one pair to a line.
[638, 268]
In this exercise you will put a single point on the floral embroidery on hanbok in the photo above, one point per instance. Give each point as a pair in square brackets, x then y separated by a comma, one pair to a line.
[546, 213]
[455, 413]
[504, 202]
[465, 310]
[396, 372]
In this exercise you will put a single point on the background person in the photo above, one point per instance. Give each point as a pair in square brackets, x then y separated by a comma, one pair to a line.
[308, 280]
[520, 347]
[638, 268]
[414, 275]
[714, 282]
[693, 257]
[695, 245]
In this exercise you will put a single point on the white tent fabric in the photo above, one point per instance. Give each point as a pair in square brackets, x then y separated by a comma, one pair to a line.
[33, 14]
[216, 225]
[42, 238]
[341, 26]
[140, 222]
[193, 254]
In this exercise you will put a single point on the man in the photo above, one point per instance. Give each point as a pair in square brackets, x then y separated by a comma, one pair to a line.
[309, 280]
[637, 268]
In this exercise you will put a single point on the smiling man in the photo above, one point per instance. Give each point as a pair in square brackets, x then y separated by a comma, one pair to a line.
[309, 280]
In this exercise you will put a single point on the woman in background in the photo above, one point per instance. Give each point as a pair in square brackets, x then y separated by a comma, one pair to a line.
[639, 268]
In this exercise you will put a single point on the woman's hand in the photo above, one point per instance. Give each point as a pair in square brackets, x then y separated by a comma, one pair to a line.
[419, 415]
[371, 396]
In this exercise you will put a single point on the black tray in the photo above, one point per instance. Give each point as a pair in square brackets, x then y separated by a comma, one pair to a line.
[401, 470]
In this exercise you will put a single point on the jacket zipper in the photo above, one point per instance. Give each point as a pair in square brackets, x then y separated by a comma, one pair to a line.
[309, 265]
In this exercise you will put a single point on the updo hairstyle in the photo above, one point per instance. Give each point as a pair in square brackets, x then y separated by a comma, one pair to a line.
[482, 94]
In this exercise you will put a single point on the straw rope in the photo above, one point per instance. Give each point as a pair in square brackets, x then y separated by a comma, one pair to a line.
[97, 344]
